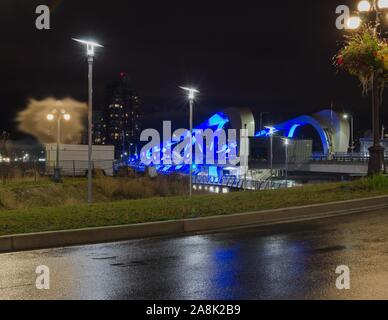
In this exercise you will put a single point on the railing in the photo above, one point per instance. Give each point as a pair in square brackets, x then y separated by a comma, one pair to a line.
[343, 157]
[78, 168]
[238, 183]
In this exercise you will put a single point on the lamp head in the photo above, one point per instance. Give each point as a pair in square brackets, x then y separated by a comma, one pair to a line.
[271, 129]
[90, 45]
[191, 92]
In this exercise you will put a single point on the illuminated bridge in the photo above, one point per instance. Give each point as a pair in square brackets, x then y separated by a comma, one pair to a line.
[333, 132]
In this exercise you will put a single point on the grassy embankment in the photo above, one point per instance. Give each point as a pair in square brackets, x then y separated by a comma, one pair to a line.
[44, 206]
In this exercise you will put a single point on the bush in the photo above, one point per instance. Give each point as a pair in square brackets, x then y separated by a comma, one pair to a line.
[141, 187]
[377, 182]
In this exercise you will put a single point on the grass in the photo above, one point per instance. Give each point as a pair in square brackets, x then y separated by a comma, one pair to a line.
[72, 214]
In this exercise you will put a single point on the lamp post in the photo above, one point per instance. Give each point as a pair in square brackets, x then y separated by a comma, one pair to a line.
[90, 48]
[271, 133]
[58, 115]
[371, 11]
[351, 120]
[286, 144]
[191, 95]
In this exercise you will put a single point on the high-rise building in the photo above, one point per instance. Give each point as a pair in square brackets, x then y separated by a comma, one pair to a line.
[119, 123]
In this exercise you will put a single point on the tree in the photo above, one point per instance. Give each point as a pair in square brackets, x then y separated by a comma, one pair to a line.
[365, 55]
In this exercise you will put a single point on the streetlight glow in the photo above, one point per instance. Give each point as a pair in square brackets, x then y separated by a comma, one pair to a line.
[382, 4]
[272, 130]
[90, 45]
[353, 23]
[191, 92]
[67, 117]
[50, 117]
[364, 6]
[345, 116]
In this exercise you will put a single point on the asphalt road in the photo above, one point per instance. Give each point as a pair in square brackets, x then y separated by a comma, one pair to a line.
[293, 261]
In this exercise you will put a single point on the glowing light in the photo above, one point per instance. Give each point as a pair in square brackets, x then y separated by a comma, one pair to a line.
[50, 117]
[191, 92]
[292, 130]
[67, 117]
[90, 45]
[382, 4]
[364, 6]
[353, 23]
[225, 190]
[272, 130]
[286, 142]
[345, 116]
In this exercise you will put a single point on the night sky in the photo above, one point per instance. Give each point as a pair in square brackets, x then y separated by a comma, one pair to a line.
[269, 55]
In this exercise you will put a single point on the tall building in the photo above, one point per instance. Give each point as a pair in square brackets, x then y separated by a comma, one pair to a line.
[119, 123]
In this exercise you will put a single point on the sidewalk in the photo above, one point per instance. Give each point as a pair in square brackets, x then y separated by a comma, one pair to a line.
[188, 226]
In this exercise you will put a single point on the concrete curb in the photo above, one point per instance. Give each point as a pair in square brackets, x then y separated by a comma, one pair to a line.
[54, 239]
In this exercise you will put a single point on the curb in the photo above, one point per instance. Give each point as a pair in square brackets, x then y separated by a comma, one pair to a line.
[45, 240]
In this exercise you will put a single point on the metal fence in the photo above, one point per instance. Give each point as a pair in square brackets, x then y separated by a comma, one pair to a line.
[234, 182]
[343, 157]
[36, 169]
[20, 170]
[79, 168]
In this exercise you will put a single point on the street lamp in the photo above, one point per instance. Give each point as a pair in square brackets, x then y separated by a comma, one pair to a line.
[351, 119]
[58, 115]
[286, 144]
[90, 48]
[191, 96]
[376, 8]
[271, 132]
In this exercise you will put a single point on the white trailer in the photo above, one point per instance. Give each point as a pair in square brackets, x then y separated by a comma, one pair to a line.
[73, 159]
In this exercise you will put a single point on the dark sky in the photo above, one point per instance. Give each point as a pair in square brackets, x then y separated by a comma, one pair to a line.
[269, 55]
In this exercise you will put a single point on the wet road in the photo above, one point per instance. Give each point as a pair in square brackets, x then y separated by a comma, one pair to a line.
[294, 261]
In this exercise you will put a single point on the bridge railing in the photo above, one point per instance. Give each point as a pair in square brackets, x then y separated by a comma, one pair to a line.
[343, 157]
[238, 183]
